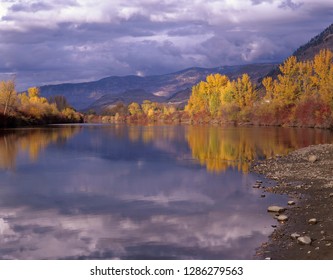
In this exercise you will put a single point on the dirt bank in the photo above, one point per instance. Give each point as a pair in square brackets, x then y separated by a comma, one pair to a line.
[306, 175]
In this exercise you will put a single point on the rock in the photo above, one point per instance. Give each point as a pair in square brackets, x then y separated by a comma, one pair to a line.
[256, 186]
[312, 158]
[268, 258]
[291, 202]
[331, 195]
[263, 195]
[305, 240]
[282, 218]
[275, 208]
[295, 235]
[312, 221]
[258, 182]
[328, 244]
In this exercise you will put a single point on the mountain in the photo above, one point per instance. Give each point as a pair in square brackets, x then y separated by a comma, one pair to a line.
[308, 51]
[173, 87]
[322, 41]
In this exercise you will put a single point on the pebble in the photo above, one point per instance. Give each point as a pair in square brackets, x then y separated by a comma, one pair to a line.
[258, 182]
[312, 221]
[295, 235]
[328, 244]
[275, 208]
[263, 195]
[268, 259]
[256, 186]
[317, 248]
[291, 202]
[312, 158]
[282, 218]
[305, 240]
[331, 195]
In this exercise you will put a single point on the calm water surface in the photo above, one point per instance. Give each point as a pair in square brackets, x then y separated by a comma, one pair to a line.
[131, 192]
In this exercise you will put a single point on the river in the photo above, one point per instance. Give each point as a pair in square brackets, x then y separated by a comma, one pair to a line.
[138, 192]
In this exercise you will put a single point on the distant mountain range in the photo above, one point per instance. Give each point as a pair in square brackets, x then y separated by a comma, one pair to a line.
[172, 88]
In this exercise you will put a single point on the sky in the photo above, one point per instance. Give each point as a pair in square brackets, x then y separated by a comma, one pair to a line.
[57, 41]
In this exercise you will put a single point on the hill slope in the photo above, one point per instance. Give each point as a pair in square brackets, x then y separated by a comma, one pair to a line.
[112, 89]
[322, 41]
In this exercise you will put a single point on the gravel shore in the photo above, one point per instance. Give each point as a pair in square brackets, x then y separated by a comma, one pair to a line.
[306, 175]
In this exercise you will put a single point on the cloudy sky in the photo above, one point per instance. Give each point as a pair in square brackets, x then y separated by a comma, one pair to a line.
[55, 41]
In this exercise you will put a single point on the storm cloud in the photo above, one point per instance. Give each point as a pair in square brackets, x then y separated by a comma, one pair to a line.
[47, 42]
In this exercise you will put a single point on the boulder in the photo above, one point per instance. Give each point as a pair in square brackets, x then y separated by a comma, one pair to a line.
[304, 240]
[282, 218]
[275, 208]
[312, 158]
[312, 221]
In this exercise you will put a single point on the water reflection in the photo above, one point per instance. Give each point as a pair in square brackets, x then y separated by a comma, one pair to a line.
[101, 192]
[219, 149]
[15, 143]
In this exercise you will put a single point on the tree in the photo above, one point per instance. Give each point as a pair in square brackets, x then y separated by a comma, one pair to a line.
[7, 95]
[134, 109]
[245, 94]
[60, 101]
[322, 78]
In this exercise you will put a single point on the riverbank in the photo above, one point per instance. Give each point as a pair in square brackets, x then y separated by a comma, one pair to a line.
[20, 120]
[306, 175]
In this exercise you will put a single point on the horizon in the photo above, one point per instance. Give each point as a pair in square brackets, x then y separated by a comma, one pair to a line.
[52, 42]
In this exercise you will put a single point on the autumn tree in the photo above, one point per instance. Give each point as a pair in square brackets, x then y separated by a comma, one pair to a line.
[323, 75]
[134, 109]
[245, 94]
[8, 95]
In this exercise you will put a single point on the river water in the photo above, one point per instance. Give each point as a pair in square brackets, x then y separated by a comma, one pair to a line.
[138, 192]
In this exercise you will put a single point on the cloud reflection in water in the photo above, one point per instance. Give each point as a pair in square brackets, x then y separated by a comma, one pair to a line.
[102, 195]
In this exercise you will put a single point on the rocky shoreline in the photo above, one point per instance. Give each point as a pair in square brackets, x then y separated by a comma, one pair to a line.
[306, 231]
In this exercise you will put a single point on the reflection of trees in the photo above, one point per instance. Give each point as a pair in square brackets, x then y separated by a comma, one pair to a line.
[221, 148]
[149, 134]
[31, 141]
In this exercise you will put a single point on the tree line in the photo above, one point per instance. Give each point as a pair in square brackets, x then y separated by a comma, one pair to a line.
[300, 95]
[30, 108]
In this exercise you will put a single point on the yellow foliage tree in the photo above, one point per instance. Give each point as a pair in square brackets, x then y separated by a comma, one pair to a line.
[8, 95]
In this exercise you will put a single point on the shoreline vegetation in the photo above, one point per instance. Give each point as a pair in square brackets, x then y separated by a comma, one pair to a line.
[300, 96]
[30, 109]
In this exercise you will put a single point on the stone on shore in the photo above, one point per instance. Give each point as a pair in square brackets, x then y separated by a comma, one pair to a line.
[282, 218]
[295, 235]
[291, 202]
[305, 240]
[312, 221]
[275, 208]
[312, 158]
